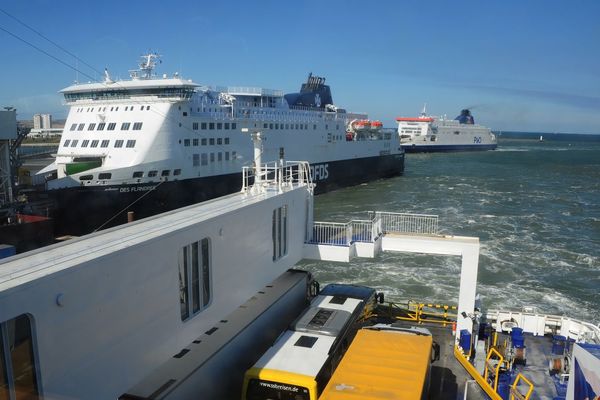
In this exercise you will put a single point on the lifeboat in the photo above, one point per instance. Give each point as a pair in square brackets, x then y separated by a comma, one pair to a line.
[361, 124]
[376, 125]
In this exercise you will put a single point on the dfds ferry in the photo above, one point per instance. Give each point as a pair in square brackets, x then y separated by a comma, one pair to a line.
[302, 360]
[431, 134]
[151, 144]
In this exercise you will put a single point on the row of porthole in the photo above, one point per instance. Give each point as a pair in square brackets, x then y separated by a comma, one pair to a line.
[137, 174]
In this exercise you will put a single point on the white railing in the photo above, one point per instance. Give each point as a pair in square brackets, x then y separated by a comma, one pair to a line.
[282, 175]
[331, 233]
[422, 224]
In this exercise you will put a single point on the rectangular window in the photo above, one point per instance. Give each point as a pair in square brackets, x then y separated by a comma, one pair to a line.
[212, 157]
[74, 143]
[219, 125]
[219, 156]
[211, 141]
[85, 143]
[152, 174]
[73, 127]
[18, 374]
[104, 175]
[203, 142]
[279, 232]
[204, 159]
[195, 142]
[233, 155]
[196, 160]
[111, 126]
[130, 144]
[226, 156]
[234, 125]
[194, 278]
[195, 126]
[203, 125]
[137, 126]
[138, 174]
[104, 143]
[219, 141]
[226, 125]
[101, 126]
[165, 172]
[211, 125]
[125, 126]
[94, 143]
[226, 140]
[91, 126]
[66, 144]
[177, 172]
[186, 142]
[118, 144]
[80, 127]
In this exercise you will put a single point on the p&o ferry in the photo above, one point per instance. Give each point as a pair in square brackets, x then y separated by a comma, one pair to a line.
[431, 134]
[152, 144]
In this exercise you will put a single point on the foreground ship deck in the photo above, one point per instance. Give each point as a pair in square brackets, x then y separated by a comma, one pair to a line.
[157, 308]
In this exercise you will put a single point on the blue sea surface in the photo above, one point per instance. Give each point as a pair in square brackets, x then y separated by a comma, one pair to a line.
[534, 205]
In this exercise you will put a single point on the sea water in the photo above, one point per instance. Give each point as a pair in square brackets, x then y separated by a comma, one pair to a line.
[534, 205]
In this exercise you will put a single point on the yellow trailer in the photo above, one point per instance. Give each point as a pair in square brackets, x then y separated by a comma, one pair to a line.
[383, 362]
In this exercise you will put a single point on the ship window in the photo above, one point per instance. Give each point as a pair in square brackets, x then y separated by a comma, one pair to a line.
[142, 108]
[66, 144]
[186, 142]
[138, 174]
[203, 142]
[204, 159]
[211, 125]
[85, 143]
[104, 175]
[74, 143]
[195, 291]
[94, 143]
[270, 126]
[118, 143]
[152, 174]
[195, 142]
[177, 172]
[212, 157]
[315, 127]
[326, 126]
[91, 126]
[276, 126]
[233, 155]
[211, 141]
[111, 126]
[219, 141]
[137, 126]
[101, 126]
[203, 125]
[147, 107]
[219, 125]
[73, 127]
[126, 108]
[86, 177]
[196, 160]
[104, 143]
[165, 172]
[185, 113]
[226, 156]
[226, 125]
[226, 140]
[18, 373]
[195, 126]
[279, 231]
[80, 127]
[296, 126]
[219, 156]
[125, 126]
[306, 126]
[130, 144]
[265, 126]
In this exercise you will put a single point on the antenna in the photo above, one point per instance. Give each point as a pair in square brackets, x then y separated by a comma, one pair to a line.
[424, 112]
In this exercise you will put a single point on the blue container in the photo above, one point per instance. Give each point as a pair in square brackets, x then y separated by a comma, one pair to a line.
[516, 336]
[504, 382]
[6, 250]
[558, 344]
[465, 340]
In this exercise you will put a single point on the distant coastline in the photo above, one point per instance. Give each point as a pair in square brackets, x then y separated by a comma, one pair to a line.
[551, 137]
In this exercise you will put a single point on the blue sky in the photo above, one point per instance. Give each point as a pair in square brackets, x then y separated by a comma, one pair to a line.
[520, 65]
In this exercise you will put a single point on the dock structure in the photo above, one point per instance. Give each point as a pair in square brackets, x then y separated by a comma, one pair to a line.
[399, 232]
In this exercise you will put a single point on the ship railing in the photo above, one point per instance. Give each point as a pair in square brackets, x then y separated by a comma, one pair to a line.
[405, 223]
[331, 233]
[280, 174]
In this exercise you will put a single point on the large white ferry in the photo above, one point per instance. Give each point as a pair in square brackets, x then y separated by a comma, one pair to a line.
[430, 134]
[180, 305]
[151, 144]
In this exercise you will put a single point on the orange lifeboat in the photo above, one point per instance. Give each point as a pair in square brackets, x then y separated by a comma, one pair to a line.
[361, 124]
[376, 125]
